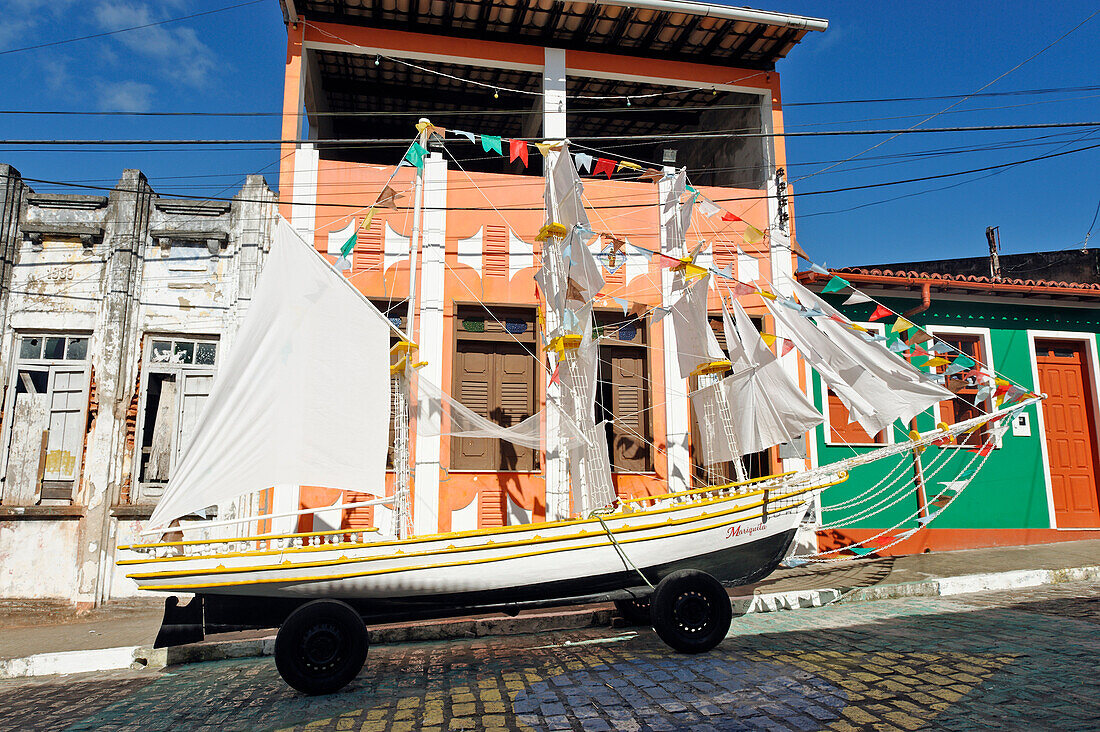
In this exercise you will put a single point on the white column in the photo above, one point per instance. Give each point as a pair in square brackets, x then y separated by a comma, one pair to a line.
[432, 270]
[676, 403]
[553, 127]
[304, 191]
[553, 95]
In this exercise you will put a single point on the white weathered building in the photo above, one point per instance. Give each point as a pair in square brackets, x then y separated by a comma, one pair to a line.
[114, 314]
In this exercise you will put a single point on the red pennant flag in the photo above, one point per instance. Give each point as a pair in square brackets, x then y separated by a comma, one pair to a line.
[983, 451]
[880, 312]
[556, 375]
[787, 346]
[1002, 389]
[668, 262]
[838, 318]
[727, 216]
[517, 149]
[603, 165]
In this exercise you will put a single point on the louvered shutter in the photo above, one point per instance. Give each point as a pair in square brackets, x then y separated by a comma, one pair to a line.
[368, 247]
[515, 370]
[630, 434]
[495, 251]
[473, 383]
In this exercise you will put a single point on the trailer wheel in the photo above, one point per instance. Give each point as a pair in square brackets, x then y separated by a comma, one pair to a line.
[321, 647]
[691, 611]
[635, 610]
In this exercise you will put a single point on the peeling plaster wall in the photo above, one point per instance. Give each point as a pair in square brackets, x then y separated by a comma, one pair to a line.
[38, 558]
[117, 269]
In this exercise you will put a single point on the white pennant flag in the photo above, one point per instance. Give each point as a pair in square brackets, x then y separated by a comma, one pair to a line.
[856, 298]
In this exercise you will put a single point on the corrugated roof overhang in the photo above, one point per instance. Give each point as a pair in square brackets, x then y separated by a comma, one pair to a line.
[663, 29]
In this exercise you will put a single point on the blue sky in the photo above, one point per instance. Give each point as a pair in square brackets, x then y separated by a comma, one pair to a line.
[233, 61]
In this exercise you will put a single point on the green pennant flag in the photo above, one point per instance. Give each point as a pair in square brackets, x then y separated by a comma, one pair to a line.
[416, 154]
[350, 243]
[491, 143]
[836, 284]
[964, 361]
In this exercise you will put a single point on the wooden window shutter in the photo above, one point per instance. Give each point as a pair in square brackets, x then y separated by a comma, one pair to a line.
[495, 251]
[368, 247]
[517, 400]
[840, 430]
[630, 433]
[473, 375]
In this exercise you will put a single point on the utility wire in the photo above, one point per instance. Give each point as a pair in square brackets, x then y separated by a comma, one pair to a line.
[656, 138]
[618, 205]
[131, 28]
[527, 110]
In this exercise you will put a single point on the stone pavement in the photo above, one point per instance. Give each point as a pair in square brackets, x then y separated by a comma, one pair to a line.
[1021, 659]
[29, 627]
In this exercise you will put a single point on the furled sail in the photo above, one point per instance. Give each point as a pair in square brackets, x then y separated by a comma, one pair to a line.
[589, 463]
[753, 409]
[696, 343]
[564, 191]
[910, 391]
[297, 400]
[868, 399]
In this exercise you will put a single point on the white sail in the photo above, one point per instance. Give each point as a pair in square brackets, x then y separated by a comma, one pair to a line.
[910, 392]
[564, 191]
[589, 464]
[869, 400]
[751, 411]
[754, 408]
[442, 414]
[696, 343]
[297, 401]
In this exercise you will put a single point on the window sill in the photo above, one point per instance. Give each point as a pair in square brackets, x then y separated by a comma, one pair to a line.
[127, 511]
[40, 513]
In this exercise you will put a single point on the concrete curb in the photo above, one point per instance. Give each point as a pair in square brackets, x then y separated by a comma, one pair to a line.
[137, 657]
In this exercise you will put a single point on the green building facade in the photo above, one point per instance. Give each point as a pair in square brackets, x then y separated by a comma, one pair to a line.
[1039, 483]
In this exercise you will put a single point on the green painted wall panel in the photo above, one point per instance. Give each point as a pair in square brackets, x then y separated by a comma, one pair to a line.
[1010, 490]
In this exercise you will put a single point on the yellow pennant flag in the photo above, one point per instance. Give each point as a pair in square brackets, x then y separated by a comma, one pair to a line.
[901, 326]
[629, 165]
[753, 235]
[765, 293]
[768, 339]
[546, 147]
[933, 362]
[857, 326]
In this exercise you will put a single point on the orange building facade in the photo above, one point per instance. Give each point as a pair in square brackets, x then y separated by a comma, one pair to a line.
[356, 83]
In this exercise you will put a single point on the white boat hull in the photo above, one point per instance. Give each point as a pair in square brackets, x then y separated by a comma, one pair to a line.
[736, 539]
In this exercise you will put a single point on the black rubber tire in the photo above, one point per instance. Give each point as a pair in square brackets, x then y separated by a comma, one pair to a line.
[635, 610]
[321, 647]
[691, 611]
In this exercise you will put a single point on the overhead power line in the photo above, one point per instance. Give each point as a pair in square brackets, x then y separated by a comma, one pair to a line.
[130, 28]
[634, 109]
[655, 138]
[618, 199]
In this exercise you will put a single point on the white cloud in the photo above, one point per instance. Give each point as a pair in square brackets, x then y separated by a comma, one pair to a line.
[125, 96]
[177, 49]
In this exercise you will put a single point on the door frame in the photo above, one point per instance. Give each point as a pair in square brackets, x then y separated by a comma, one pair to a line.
[1092, 371]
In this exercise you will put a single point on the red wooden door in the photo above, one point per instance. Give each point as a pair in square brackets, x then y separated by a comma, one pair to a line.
[1070, 433]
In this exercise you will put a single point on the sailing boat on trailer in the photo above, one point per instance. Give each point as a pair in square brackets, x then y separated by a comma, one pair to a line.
[296, 404]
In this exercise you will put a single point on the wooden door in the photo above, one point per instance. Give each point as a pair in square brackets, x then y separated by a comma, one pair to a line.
[1070, 432]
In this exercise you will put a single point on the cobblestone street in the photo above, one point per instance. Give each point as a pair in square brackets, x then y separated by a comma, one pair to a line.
[1023, 659]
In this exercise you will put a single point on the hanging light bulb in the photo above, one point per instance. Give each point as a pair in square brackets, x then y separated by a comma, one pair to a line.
[496, 94]
[628, 101]
[377, 60]
[714, 92]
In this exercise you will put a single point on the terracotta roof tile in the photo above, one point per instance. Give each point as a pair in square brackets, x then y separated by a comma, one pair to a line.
[975, 279]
